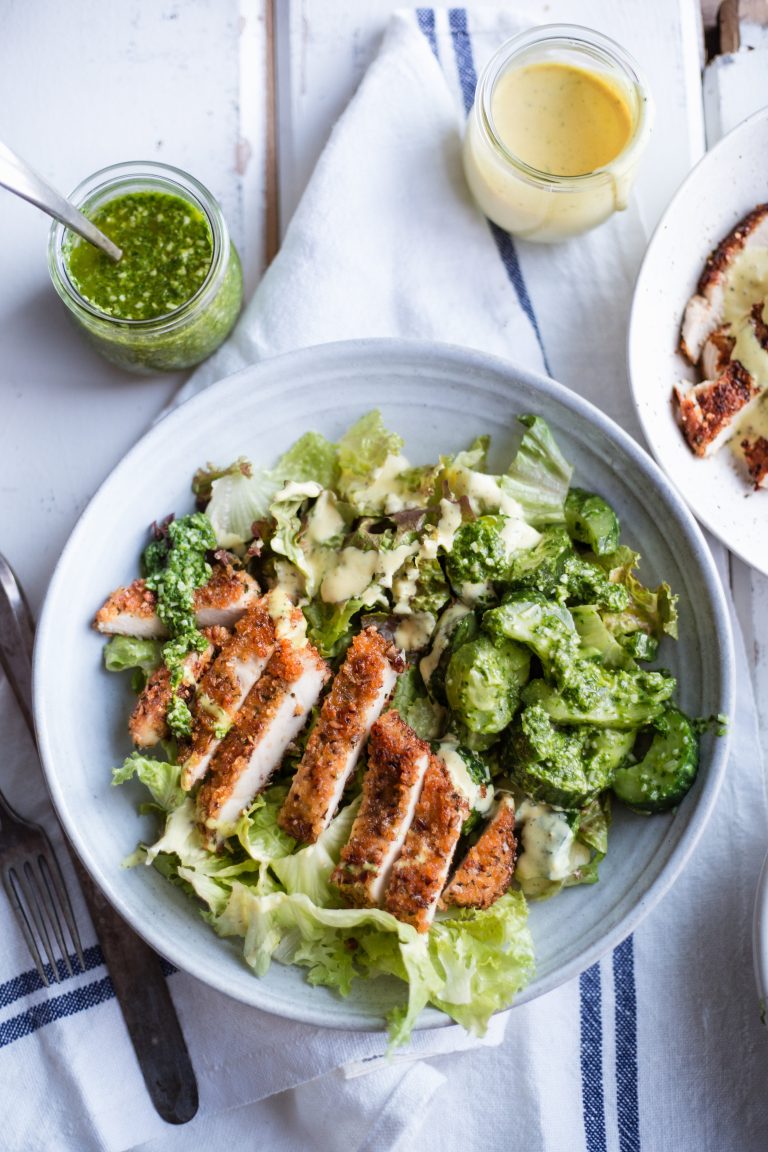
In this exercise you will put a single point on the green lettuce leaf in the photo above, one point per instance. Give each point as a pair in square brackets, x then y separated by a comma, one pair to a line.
[650, 610]
[365, 447]
[258, 831]
[312, 457]
[239, 494]
[471, 964]
[285, 510]
[486, 958]
[329, 626]
[237, 500]
[539, 476]
[471, 459]
[308, 870]
[598, 640]
[124, 652]
[181, 856]
[415, 706]
[161, 778]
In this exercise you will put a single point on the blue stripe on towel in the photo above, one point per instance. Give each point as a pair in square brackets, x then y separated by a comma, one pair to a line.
[593, 1105]
[425, 18]
[29, 981]
[465, 65]
[626, 1046]
[57, 1007]
[462, 48]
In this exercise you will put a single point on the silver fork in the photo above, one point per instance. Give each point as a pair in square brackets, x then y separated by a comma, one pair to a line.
[38, 895]
[31, 874]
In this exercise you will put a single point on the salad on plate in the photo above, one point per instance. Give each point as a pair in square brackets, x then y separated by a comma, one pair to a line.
[382, 706]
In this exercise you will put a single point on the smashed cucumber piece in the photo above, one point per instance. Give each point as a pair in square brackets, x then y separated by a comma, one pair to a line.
[539, 569]
[661, 779]
[483, 682]
[639, 645]
[554, 765]
[478, 557]
[603, 697]
[591, 520]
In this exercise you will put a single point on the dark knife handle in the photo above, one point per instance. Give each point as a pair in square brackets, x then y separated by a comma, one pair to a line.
[150, 1017]
[134, 968]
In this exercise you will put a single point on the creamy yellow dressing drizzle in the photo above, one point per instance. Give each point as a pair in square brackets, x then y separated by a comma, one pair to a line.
[746, 284]
[561, 119]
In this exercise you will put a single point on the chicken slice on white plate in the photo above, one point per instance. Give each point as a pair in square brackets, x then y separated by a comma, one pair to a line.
[486, 871]
[705, 312]
[397, 763]
[707, 410]
[419, 874]
[356, 699]
[225, 686]
[756, 456]
[221, 602]
[716, 353]
[272, 715]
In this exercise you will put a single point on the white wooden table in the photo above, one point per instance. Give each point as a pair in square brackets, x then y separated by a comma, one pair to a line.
[192, 84]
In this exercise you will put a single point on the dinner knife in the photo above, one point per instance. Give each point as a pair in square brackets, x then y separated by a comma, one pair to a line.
[133, 967]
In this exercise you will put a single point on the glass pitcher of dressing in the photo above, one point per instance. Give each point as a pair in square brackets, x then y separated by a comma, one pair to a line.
[560, 120]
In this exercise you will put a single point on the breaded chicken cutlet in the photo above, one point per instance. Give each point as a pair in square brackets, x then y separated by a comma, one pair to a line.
[221, 602]
[225, 686]
[272, 714]
[359, 692]
[486, 871]
[397, 763]
[421, 870]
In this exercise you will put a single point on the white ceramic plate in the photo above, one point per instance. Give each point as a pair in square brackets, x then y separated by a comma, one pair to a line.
[721, 189]
[438, 398]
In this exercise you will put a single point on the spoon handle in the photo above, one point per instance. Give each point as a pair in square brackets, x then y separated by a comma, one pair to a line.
[18, 177]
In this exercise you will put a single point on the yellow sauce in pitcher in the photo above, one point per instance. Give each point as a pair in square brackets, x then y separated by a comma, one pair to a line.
[553, 141]
[560, 118]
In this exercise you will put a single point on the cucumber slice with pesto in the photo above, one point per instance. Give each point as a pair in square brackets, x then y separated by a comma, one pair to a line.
[661, 779]
[591, 520]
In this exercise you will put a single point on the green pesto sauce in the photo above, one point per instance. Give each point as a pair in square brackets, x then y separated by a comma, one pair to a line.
[174, 568]
[167, 252]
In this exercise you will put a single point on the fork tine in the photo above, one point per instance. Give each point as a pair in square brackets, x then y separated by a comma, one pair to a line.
[57, 889]
[50, 903]
[37, 908]
[11, 880]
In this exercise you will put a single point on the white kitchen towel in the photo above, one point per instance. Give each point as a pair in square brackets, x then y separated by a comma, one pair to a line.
[654, 1047]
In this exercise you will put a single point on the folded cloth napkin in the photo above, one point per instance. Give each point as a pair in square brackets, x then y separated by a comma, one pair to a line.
[395, 247]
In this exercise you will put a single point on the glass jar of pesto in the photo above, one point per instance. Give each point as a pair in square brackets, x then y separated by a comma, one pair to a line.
[177, 291]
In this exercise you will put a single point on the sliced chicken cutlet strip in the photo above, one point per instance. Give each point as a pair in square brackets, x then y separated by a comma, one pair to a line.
[716, 353]
[148, 724]
[707, 410]
[273, 713]
[421, 870]
[131, 611]
[756, 455]
[486, 871]
[359, 693]
[225, 686]
[397, 763]
[705, 311]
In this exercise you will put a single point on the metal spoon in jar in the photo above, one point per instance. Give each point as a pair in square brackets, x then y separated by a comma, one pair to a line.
[18, 177]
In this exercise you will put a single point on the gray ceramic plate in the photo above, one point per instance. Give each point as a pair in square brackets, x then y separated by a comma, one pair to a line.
[438, 398]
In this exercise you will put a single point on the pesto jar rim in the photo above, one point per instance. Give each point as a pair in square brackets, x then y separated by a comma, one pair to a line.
[593, 45]
[137, 175]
